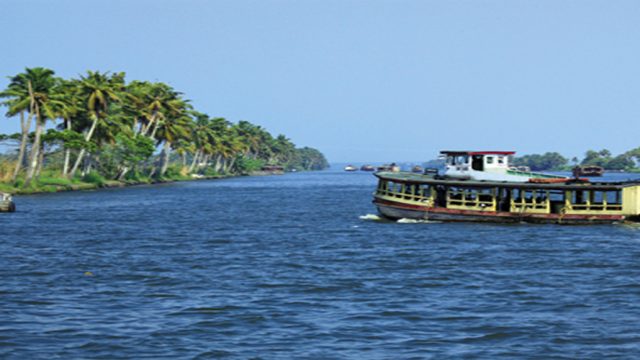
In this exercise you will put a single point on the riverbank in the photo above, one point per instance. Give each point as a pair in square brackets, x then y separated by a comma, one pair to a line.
[53, 185]
[94, 182]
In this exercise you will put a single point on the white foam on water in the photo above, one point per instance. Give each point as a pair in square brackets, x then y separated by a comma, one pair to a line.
[371, 217]
[416, 221]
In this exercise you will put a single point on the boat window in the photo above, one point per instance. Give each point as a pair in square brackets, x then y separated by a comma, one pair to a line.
[489, 159]
[476, 163]
[461, 159]
[556, 195]
[500, 159]
[613, 197]
[579, 196]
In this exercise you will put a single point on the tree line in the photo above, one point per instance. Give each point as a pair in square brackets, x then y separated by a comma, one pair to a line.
[100, 123]
[554, 161]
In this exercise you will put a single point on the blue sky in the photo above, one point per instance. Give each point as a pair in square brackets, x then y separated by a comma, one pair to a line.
[363, 80]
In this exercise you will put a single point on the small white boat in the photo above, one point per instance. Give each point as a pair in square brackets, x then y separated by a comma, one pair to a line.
[350, 168]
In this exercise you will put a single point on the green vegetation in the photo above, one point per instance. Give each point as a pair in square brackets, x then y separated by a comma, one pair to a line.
[627, 161]
[546, 161]
[99, 130]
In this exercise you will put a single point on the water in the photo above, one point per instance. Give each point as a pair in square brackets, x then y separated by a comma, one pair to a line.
[299, 266]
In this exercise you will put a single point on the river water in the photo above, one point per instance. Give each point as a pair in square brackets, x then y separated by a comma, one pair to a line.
[296, 266]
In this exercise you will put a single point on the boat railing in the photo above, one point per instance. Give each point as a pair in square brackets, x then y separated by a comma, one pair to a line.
[468, 200]
[589, 206]
[406, 193]
[534, 204]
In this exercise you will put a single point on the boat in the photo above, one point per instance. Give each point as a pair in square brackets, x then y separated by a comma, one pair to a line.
[6, 203]
[487, 165]
[588, 170]
[417, 169]
[389, 167]
[268, 170]
[350, 168]
[537, 200]
[367, 168]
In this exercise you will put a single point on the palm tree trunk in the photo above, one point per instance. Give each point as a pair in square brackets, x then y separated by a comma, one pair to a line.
[67, 153]
[165, 157]
[218, 164]
[83, 151]
[123, 172]
[155, 129]
[145, 129]
[40, 162]
[194, 161]
[35, 150]
[233, 161]
[25, 126]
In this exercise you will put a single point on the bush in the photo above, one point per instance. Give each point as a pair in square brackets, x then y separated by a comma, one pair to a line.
[94, 178]
[210, 172]
[247, 165]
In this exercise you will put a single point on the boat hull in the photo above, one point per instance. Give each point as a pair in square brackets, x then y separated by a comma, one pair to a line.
[396, 211]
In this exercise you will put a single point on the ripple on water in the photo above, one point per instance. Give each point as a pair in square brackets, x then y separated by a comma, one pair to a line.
[239, 268]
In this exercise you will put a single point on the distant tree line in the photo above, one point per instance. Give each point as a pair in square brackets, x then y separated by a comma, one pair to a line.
[554, 161]
[100, 123]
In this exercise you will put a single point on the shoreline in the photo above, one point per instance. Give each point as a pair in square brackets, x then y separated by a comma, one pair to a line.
[109, 184]
[115, 184]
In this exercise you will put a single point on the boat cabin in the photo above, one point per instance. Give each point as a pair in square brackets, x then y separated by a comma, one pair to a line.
[485, 165]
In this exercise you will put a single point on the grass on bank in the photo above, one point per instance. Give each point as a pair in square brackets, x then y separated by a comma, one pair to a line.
[52, 181]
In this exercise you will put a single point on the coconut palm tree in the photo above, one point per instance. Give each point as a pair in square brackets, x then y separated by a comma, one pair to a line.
[97, 91]
[19, 101]
[43, 95]
[177, 124]
[67, 109]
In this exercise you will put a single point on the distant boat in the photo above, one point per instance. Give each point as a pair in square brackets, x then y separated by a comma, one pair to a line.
[6, 203]
[367, 168]
[588, 170]
[350, 168]
[417, 169]
[389, 167]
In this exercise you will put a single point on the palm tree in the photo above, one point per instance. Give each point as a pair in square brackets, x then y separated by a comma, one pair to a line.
[202, 136]
[43, 99]
[20, 101]
[97, 90]
[67, 109]
[176, 125]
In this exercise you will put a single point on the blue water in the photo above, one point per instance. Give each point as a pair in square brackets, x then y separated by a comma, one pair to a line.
[284, 267]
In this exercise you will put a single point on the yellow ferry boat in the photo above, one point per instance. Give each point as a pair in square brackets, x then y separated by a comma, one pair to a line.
[538, 199]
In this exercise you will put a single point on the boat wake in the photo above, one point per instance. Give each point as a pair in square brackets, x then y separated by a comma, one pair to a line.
[373, 217]
[370, 217]
[416, 221]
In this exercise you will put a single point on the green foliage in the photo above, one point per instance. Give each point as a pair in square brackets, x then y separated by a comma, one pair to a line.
[94, 178]
[604, 159]
[246, 165]
[307, 158]
[546, 161]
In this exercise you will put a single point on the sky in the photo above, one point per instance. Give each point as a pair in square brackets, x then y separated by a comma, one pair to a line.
[362, 81]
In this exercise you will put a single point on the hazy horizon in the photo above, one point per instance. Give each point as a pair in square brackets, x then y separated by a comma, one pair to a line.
[363, 80]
